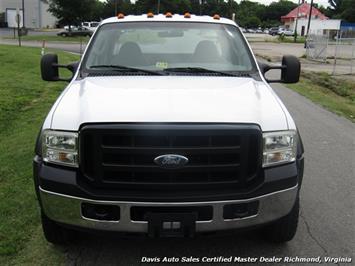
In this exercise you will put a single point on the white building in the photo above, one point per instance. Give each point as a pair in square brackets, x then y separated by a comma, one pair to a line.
[319, 27]
[320, 23]
[36, 14]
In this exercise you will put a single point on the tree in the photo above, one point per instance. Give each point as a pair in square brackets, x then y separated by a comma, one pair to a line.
[248, 13]
[342, 9]
[113, 7]
[348, 10]
[174, 6]
[277, 9]
[335, 4]
[252, 22]
[73, 12]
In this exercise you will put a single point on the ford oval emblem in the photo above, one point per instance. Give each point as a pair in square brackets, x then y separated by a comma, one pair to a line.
[171, 161]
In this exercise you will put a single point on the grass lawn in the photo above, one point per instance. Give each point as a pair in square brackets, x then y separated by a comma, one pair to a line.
[335, 94]
[24, 101]
[52, 38]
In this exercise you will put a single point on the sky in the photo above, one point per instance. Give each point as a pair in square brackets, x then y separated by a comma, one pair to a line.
[267, 2]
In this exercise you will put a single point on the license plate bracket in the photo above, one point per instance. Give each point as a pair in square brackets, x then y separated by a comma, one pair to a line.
[171, 224]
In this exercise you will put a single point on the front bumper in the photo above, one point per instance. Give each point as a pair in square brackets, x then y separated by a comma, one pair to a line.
[66, 209]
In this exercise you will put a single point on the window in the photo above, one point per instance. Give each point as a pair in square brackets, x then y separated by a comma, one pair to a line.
[160, 45]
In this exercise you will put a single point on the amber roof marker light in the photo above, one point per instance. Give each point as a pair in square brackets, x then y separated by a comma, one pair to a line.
[216, 16]
[187, 15]
[120, 16]
[168, 15]
[150, 15]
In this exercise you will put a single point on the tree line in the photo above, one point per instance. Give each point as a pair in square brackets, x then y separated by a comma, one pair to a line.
[247, 13]
[342, 9]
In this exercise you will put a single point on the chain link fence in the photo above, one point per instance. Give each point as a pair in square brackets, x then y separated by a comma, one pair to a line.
[344, 55]
[317, 46]
[338, 51]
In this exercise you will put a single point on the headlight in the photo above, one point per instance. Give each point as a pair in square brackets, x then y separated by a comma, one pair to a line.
[60, 147]
[279, 147]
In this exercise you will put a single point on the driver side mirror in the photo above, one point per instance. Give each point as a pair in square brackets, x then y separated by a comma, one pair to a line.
[50, 68]
[290, 70]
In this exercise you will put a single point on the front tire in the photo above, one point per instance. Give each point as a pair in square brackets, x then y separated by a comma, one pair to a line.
[54, 233]
[284, 229]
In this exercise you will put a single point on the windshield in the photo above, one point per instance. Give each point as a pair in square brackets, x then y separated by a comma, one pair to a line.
[159, 46]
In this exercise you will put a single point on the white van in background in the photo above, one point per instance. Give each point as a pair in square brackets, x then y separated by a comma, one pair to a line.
[90, 25]
[87, 25]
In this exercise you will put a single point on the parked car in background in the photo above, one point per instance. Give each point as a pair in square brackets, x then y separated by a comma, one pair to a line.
[72, 27]
[266, 31]
[251, 31]
[79, 31]
[259, 31]
[288, 32]
[274, 31]
[90, 25]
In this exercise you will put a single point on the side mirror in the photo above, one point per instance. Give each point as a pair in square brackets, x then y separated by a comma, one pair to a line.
[50, 68]
[290, 70]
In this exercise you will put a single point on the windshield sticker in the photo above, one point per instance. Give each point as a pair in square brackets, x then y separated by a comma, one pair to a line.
[162, 65]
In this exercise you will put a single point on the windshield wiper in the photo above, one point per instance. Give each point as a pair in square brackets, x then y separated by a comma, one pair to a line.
[127, 69]
[205, 70]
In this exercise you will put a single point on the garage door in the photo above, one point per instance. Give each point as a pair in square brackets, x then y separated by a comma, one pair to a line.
[11, 18]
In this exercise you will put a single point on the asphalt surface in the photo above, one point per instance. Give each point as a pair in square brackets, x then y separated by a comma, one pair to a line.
[10, 32]
[326, 225]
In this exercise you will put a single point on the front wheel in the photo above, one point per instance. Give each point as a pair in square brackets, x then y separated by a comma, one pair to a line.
[284, 229]
[53, 232]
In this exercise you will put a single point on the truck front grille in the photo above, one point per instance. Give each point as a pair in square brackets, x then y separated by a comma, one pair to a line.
[122, 156]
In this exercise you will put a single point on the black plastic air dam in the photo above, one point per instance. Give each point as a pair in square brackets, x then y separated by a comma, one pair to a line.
[100, 212]
[65, 181]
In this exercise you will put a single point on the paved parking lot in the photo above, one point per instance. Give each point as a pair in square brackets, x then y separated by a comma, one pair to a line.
[275, 51]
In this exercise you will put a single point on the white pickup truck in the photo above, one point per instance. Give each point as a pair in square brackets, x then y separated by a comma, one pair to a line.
[168, 128]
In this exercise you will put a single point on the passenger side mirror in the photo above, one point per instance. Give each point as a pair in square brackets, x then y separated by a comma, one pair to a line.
[50, 68]
[290, 70]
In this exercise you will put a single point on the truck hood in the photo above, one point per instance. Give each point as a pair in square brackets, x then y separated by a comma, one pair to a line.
[162, 99]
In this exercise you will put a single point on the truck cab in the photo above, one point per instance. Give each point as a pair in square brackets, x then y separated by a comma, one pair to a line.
[168, 128]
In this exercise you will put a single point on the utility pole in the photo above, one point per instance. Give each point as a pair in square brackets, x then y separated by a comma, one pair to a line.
[158, 9]
[231, 8]
[309, 17]
[298, 13]
[18, 21]
[23, 14]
